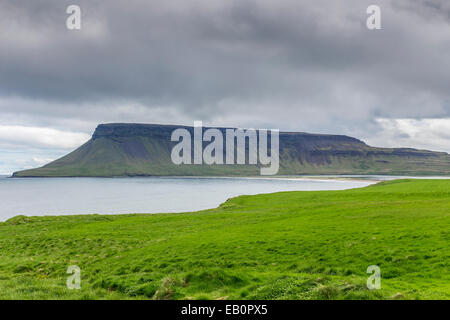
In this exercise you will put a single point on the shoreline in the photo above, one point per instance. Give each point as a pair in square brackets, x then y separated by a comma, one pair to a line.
[375, 178]
[284, 178]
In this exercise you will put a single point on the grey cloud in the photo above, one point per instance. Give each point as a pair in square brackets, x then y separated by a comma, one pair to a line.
[195, 54]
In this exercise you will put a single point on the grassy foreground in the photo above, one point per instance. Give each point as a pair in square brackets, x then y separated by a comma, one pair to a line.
[288, 245]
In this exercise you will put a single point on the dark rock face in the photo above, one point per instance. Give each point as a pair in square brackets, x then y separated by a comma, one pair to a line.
[300, 140]
[306, 148]
[133, 130]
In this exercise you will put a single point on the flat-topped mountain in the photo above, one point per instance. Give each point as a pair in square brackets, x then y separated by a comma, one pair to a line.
[145, 149]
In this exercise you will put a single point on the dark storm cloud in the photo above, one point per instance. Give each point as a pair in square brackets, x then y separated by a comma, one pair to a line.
[197, 53]
[304, 65]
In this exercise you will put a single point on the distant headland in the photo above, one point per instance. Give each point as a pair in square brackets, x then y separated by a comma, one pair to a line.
[121, 149]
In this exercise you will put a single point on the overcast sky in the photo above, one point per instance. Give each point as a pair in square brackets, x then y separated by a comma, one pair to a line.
[303, 65]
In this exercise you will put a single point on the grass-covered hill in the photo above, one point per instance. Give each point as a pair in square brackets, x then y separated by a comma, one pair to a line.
[288, 245]
[140, 149]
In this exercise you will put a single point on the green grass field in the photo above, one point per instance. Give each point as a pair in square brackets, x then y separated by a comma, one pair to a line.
[288, 245]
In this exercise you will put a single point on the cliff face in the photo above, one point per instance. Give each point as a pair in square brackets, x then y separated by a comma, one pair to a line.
[144, 149]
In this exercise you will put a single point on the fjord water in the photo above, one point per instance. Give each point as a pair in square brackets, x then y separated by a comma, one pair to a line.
[62, 196]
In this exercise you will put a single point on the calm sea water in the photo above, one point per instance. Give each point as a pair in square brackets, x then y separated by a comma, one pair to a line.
[58, 196]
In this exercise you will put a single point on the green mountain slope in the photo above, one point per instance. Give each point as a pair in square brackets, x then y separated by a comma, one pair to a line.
[144, 149]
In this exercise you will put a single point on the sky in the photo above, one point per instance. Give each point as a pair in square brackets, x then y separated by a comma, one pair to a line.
[299, 65]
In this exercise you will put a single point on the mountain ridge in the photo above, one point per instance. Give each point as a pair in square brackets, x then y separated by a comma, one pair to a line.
[133, 149]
